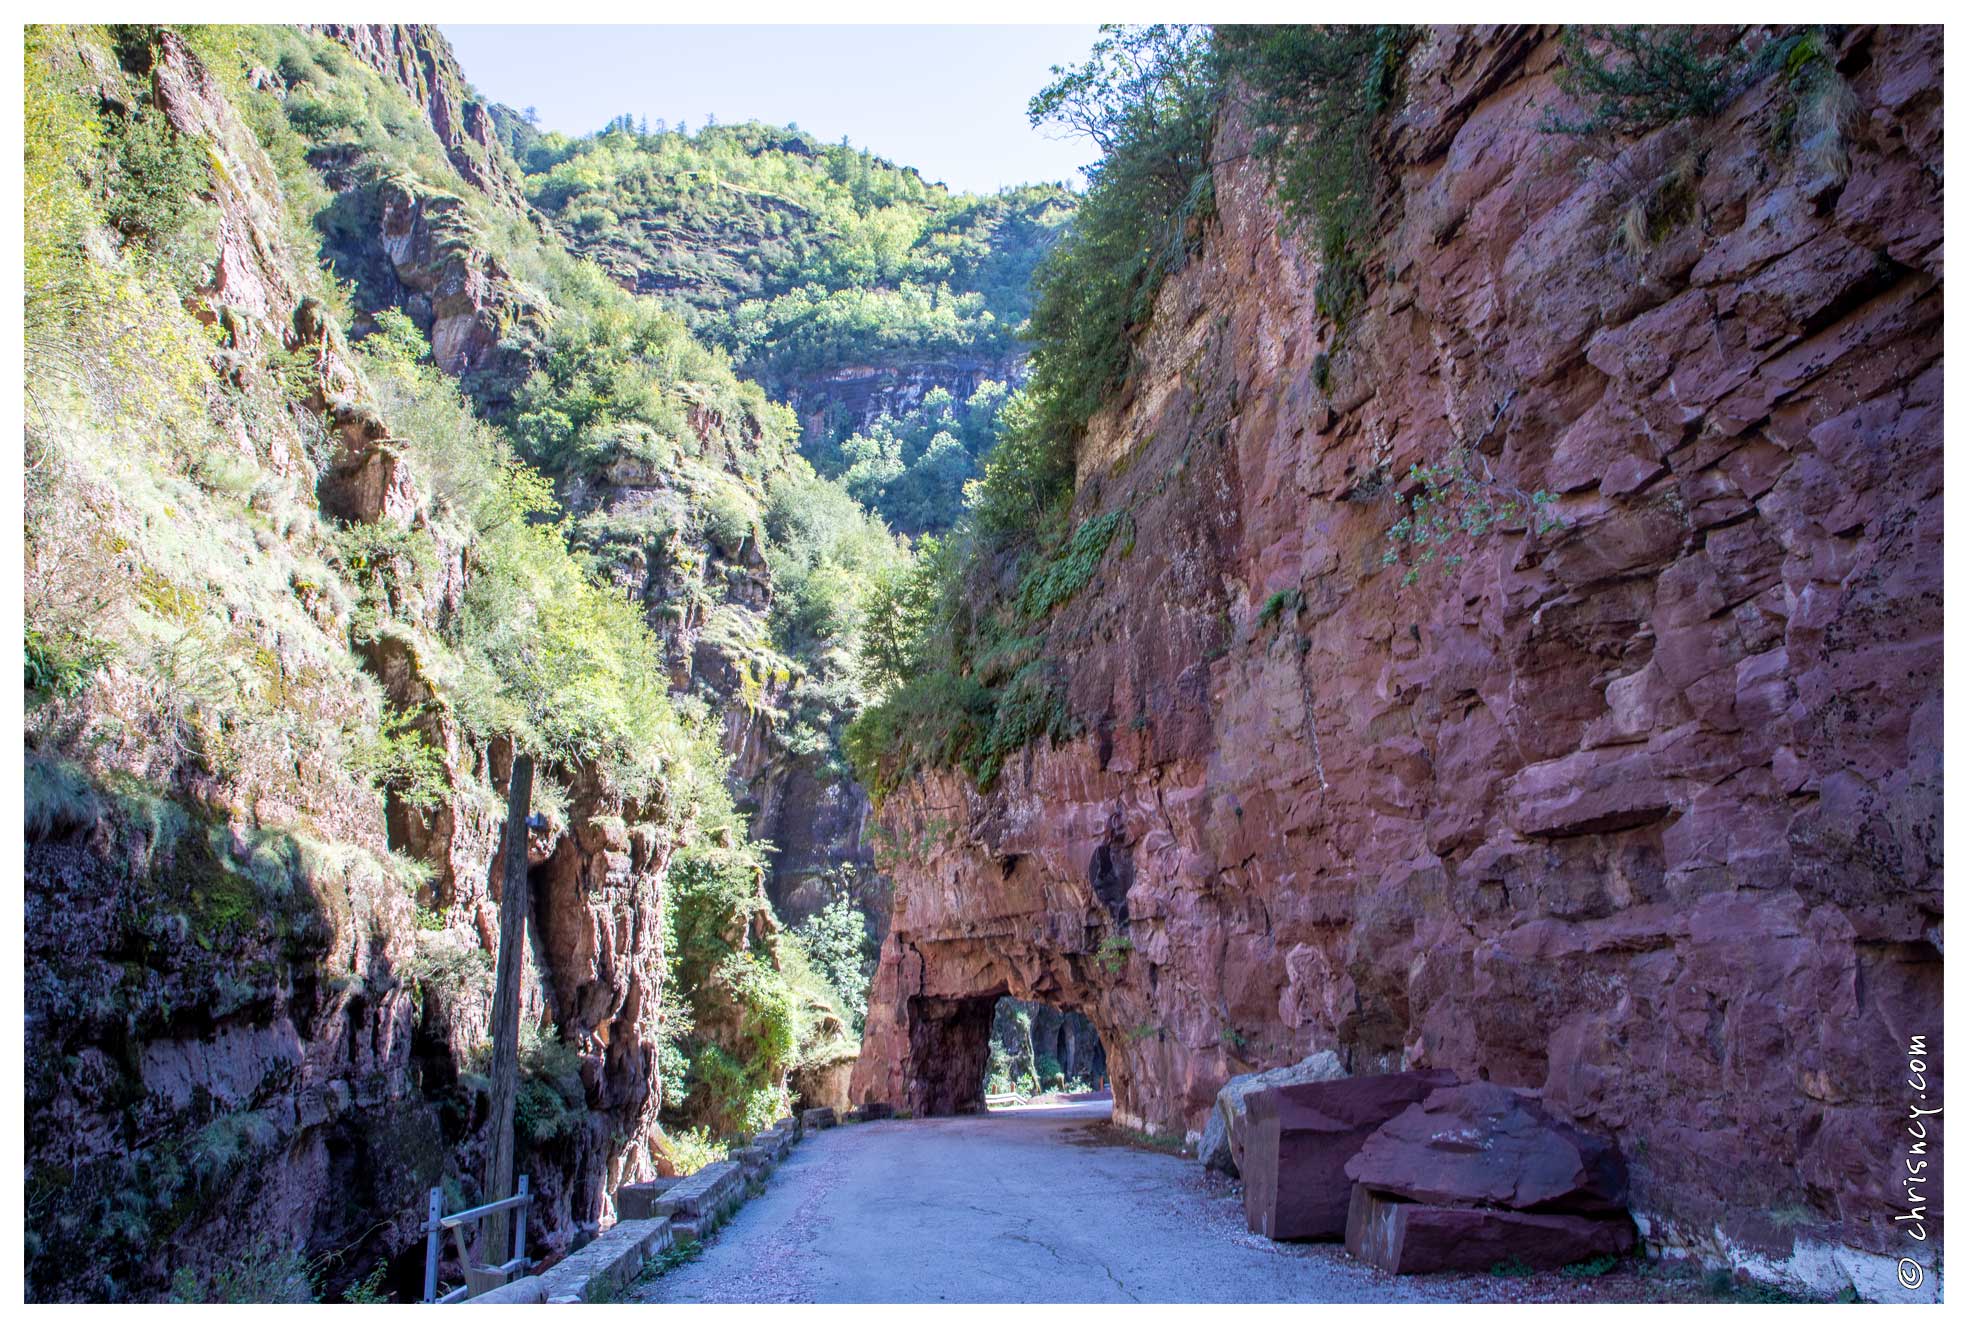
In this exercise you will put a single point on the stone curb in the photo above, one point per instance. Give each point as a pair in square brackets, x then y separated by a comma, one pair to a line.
[599, 1269]
[653, 1217]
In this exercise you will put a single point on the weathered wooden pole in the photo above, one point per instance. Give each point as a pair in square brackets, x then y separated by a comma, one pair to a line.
[494, 1248]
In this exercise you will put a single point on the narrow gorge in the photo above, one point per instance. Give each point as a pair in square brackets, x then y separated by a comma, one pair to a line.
[1433, 556]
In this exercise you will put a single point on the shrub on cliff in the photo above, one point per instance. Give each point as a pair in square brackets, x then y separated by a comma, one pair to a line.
[1147, 97]
[537, 649]
[757, 1006]
[1632, 79]
[1312, 94]
[835, 939]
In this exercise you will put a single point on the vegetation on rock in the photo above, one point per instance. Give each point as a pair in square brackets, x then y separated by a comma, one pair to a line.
[285, 598]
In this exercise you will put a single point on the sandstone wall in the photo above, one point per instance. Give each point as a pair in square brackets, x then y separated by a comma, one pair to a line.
[1643, 812]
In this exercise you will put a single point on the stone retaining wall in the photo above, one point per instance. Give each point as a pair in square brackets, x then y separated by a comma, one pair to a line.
[653, 1216]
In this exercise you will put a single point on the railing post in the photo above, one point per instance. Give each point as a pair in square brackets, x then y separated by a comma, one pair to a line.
[519, 1218]
[433, 1227]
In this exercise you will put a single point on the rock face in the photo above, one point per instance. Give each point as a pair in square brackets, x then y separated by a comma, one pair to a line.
[849, 399]
[411, 245]
[1644, 811]
[823, 1084]
[1483, 1145]
[420, 61]
[1222, 1147]
[1299, 1139]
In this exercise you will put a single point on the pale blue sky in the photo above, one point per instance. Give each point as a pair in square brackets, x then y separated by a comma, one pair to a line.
[949, 101]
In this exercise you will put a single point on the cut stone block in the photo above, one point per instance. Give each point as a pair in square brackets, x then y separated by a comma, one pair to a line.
[818, 1119]
[1403, 1238]
[1484, 1145]
[1222, 1146]
[529, 1291]
[609, 1262]
[706, 1194]
[637, 1199]
[1298, 1138]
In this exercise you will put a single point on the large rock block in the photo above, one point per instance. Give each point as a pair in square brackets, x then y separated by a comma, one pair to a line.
[818, 1119]
[1404, 1238]
[1483, 1144]
[1222, 1148]
[1298, 1139]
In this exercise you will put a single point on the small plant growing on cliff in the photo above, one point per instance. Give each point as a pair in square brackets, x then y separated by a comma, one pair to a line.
[1278, 606]
[1051, 583]
[1455, 499]
[1821, 108]
[399, 760]
[1113, 952]
[1632, 79]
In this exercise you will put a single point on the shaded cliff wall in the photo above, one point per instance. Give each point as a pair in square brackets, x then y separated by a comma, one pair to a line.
[254, 1030]
[1643, 812]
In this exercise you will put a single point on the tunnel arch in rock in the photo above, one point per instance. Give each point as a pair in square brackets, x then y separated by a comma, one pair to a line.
[928, 1035]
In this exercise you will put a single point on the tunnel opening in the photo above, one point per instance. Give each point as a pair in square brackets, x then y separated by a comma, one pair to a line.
[1042, 1053]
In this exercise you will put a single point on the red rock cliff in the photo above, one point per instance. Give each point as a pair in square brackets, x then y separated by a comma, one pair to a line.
[1643, 812]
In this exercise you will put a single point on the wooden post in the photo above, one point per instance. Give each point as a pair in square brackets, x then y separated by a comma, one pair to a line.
[493, 1243]
[433, 1244]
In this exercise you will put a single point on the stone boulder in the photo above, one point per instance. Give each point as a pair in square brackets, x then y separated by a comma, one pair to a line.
[1298, 1139]
[1485, 1145]
[1403, 1238]
[1222, 1147]
[824, 1084]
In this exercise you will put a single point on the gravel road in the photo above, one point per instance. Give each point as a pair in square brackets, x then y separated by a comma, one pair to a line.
[1020, 1205]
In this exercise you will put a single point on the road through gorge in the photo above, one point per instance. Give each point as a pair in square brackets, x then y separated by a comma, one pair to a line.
[1032, 1205]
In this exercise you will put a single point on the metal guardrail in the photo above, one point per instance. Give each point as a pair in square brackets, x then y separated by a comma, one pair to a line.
[438, 1223]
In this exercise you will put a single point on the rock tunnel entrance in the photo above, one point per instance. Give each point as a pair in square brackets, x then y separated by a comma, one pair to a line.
[1039, 1049]
[962, 1048]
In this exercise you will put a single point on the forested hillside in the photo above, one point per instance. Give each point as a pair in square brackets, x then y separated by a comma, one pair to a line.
[872, 300]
